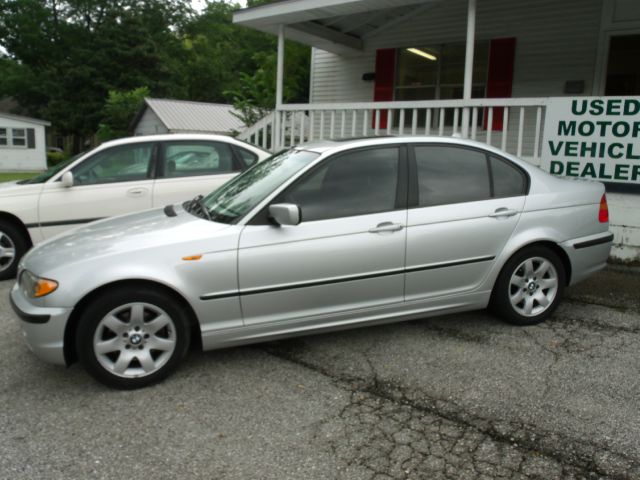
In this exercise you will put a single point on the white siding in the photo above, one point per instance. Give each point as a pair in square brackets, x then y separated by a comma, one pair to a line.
[23, 159]
[149, 124]
[556, 42]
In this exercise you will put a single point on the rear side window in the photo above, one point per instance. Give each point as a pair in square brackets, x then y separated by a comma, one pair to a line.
[186, 159]
[451, 175]
[508, 180]
[355, 183]
[248, 158]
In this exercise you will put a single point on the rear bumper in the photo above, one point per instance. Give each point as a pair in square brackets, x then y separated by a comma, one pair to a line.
[587, 254]
[43, 328]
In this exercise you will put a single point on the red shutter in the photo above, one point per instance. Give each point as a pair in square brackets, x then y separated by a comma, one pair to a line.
[502, 54]
[385, 74]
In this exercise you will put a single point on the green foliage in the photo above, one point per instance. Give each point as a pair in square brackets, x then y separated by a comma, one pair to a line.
[11, 176]
[119, 111]
[67, 58]
[54, 158]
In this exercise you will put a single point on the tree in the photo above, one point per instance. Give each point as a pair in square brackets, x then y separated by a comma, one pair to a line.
[119, 111]
[238, 64]
[66, 60]
[64, 56]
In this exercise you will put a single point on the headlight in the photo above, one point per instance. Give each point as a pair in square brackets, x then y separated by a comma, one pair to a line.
[36, 287]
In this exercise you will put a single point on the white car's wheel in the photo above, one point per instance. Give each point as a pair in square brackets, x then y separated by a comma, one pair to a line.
[13, 246]
[130, 339]
[529, 287]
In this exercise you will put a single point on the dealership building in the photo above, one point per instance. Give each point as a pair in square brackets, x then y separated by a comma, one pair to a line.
[556, 83]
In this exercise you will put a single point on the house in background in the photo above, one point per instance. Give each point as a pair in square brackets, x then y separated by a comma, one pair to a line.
[178, 116]
[22, 143]
[556, 83]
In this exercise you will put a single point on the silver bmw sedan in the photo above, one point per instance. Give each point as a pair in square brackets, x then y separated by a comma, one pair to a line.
[321, 237]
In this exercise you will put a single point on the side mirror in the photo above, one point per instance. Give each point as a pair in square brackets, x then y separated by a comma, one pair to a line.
[285, 213]
[67, 179]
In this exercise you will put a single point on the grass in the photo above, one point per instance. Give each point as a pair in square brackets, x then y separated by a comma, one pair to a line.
[10, 176]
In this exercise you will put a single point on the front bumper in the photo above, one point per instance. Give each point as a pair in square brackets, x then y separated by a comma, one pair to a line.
[588, 254]
[42, 327]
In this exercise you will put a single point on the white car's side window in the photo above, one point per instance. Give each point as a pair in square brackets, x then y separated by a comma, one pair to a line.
[185, 159]
[124, 163]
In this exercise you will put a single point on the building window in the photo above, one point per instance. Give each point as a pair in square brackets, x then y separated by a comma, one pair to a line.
[3, 137]
[437, 72]
[623, 69]
[18, 137]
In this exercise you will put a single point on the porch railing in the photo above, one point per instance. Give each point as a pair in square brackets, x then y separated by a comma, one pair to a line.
[514, 125]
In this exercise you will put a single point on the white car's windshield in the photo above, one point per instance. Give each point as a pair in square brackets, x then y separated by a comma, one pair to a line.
[239, 196]
[44, 176]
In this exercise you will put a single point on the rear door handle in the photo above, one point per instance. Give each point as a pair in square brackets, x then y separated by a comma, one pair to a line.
[386, 227]
[503, 213]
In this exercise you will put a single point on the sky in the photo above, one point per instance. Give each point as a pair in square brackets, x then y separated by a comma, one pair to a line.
[200, 4]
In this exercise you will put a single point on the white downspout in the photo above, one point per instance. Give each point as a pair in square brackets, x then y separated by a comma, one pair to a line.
[279, 87]
[468, 65]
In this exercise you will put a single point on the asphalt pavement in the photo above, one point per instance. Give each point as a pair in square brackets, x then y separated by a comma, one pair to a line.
[455, 397]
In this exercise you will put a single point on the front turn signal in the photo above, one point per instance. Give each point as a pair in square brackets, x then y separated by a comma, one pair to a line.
[36, 287]
[44, 287]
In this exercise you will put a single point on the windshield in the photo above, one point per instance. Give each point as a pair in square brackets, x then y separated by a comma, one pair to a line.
[239, 196]
[43, 177]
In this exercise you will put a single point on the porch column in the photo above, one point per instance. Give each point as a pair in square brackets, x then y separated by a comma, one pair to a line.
[279, 87]
[468, 65]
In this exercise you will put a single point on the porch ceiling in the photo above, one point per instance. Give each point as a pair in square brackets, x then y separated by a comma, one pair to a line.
[338, 26]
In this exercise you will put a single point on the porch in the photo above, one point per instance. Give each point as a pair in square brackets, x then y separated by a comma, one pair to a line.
[513, 125]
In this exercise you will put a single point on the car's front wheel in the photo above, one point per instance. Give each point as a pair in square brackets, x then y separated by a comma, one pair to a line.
[530, 286]
[131, 338]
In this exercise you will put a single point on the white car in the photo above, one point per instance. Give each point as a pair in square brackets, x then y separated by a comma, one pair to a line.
[117, 177]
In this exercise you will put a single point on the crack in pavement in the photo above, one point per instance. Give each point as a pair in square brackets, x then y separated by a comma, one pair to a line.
[363, 444]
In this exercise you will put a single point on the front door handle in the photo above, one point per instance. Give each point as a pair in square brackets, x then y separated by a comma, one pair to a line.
[503, 213]
[137, 192]
[386, 227]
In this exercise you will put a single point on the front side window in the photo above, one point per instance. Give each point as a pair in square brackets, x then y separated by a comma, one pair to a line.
[185, 159]
[19, 137]
[451, 175]
[124, 163]
[355, 183]
[3, 137]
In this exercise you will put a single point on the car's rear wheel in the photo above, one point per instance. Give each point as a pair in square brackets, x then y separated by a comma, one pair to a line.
[13, 246]
[132, 338]
[529, 287]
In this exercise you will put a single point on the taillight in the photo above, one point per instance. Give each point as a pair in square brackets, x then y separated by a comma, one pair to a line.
[603, 214]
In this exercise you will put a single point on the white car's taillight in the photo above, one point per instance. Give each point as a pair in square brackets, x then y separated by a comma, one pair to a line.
[603, 214]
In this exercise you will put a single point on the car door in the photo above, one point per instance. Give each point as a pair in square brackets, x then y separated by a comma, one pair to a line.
[347, 254]
[192, 167]
[113, 181]
[463, 207]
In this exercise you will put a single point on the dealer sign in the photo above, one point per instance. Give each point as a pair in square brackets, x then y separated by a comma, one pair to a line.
[593, 137]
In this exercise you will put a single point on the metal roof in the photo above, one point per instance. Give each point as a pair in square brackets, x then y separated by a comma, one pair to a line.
[35, 121]
[338, 26]
[185, 116]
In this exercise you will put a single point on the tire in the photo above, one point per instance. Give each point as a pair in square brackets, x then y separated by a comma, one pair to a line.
[131, 338]
[529, 287]
[13, 245]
